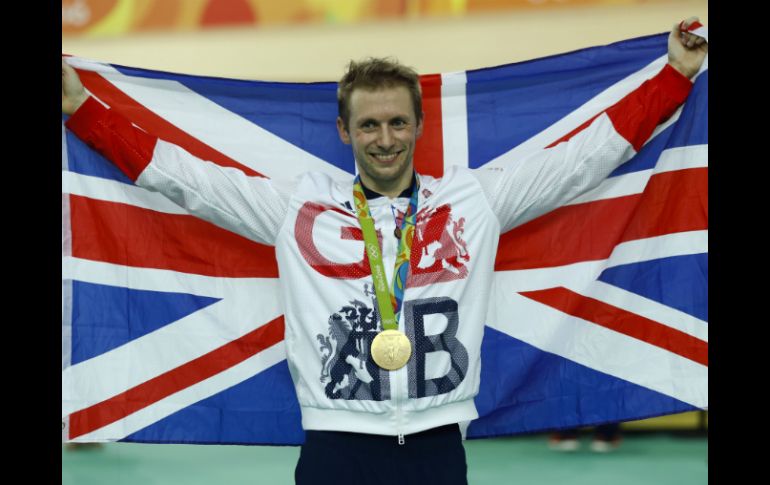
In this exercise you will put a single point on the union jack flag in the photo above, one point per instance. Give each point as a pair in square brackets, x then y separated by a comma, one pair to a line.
[172, 328]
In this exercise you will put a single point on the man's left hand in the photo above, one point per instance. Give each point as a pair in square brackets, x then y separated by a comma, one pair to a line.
[686, 51]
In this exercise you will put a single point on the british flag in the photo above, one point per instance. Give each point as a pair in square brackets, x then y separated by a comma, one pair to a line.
[172, 328]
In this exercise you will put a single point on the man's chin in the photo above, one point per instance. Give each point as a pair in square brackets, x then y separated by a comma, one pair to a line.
[386, 175]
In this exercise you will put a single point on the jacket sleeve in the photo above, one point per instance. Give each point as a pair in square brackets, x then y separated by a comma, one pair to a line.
[583, 158]
[251, 206]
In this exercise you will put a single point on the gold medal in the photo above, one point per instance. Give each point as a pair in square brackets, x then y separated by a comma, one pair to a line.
[391, 349]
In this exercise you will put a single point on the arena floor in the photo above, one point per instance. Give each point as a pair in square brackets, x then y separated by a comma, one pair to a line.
[642, 458]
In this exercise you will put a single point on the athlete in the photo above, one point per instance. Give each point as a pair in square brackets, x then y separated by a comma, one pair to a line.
[385, 277]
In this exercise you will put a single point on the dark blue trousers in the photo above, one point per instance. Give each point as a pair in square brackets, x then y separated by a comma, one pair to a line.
[435, 456]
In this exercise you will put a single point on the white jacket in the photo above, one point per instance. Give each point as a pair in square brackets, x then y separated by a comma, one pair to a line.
[330, 312]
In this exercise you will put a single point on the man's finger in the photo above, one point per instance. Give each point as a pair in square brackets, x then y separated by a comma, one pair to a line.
[685, 29]
[689, 23]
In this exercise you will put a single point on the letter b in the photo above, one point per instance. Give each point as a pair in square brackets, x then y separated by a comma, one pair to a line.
[414, 315]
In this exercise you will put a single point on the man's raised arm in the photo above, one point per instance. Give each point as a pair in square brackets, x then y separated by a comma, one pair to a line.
[554, 176]
[251, 206]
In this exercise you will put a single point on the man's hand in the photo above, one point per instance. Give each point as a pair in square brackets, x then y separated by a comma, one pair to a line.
[685, 50]
[72, 92]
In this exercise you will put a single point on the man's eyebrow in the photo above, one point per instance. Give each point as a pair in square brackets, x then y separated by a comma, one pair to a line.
[390, 120]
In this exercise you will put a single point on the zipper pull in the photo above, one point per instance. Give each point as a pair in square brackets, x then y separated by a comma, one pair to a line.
[401, 439]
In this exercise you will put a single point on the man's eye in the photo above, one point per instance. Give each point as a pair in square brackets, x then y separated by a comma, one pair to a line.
[399, 123]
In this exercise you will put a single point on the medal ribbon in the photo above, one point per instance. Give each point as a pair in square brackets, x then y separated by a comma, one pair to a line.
[388, 313]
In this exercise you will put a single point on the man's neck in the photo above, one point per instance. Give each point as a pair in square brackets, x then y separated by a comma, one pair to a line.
[402, 190]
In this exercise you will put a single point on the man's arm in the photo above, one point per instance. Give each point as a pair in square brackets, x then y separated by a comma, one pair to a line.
[553, 177]
[253, 207]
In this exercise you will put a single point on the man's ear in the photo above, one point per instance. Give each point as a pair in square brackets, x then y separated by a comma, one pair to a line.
[343, 131]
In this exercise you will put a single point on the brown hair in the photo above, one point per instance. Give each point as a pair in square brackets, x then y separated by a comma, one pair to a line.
[375, 73]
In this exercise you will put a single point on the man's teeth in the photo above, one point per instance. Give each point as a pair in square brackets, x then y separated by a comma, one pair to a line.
[385, 158]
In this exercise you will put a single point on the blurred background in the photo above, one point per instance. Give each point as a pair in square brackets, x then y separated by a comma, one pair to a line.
[312, 40]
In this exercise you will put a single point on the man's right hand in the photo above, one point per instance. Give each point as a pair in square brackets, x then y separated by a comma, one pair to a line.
[72, 92]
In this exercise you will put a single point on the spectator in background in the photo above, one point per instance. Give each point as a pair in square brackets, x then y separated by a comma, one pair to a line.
[606, 438]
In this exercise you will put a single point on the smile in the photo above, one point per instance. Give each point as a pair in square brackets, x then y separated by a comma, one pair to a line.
[385, 157]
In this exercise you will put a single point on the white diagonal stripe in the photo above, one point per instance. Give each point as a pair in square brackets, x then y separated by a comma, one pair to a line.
[580, 274]
[599, 348]
[671, 160]
[253, 146]
[189, 396]
[112, 191]
[153, 279]
[670, 245]
[171, 346]
[598, 103]
[651, 309]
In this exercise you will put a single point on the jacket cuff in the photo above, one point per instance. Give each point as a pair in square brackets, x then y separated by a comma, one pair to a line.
[130, 148]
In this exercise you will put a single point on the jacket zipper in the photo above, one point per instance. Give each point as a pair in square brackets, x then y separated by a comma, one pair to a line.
[387, 236]
[399, 414]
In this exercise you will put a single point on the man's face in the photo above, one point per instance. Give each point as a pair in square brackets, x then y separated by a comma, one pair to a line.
[383, 130]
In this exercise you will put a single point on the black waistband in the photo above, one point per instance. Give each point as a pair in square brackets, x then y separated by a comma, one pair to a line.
[446, 429]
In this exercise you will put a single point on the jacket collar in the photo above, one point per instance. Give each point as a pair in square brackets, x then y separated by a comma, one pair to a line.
[371, 194]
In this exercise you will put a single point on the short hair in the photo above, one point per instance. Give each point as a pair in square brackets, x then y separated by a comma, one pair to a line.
[375, 73]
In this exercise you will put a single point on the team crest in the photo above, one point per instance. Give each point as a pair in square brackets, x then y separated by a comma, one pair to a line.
[348, 371]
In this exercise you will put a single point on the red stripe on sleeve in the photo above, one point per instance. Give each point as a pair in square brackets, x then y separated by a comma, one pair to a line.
[638, 113]
[126, 108]
[113, 136]
[636, 116]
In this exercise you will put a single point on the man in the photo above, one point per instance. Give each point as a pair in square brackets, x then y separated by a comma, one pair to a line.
[384, 372]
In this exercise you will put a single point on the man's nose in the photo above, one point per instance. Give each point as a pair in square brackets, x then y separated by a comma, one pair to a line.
[386, 140]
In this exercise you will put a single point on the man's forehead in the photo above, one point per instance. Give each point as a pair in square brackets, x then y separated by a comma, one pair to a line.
[381, 101]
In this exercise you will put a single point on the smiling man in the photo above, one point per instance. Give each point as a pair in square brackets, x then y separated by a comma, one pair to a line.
[385, 277]
[379, 104]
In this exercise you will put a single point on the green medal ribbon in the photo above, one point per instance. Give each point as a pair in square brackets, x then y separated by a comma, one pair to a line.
[388, 313]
